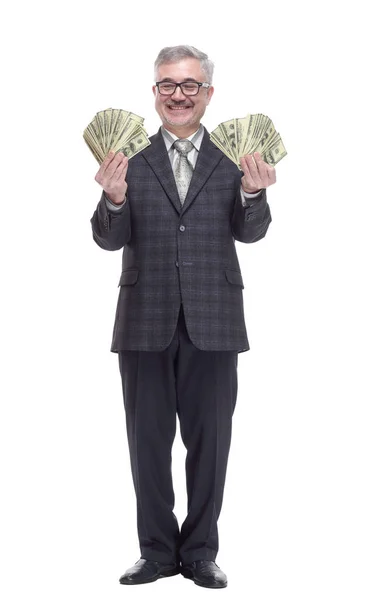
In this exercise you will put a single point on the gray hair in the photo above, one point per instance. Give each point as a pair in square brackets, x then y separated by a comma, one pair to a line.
[173, 54]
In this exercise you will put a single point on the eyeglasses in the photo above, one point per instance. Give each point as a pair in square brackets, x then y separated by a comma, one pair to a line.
[189, 88]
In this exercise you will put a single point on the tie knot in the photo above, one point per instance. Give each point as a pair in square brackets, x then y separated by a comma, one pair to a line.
[183, 146]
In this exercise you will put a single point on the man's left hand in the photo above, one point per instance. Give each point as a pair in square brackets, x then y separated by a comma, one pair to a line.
[258, 174]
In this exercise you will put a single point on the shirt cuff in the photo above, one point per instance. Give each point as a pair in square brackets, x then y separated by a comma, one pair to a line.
[247, 195]
[112, 206]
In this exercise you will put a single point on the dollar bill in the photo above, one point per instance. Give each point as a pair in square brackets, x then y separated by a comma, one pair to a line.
[93, 139]
[134, 145]
[117, 130]
[253, 133]
[222, 141]
[274, 154]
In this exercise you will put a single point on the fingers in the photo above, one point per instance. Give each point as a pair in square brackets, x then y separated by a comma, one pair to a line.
[257, 170]
[108, 159]
[257, 173]
[121, 170]
[271, 174]
[247, 178]
[251, 173]
[262, 168]
[109, 166]
[114, 164]
[265, 169]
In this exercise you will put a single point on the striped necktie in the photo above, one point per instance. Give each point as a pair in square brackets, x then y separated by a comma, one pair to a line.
[183, 169]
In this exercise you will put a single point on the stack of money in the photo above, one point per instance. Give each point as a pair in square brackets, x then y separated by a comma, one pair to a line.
[117, 130]
[253, 133]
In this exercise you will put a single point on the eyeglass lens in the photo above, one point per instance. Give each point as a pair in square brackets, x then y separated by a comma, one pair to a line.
[189, 88]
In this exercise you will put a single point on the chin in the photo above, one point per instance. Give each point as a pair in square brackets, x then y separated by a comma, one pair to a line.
[178, 122]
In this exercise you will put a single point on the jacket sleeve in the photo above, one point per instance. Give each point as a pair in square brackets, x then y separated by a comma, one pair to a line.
[111, 229]
[249, 223]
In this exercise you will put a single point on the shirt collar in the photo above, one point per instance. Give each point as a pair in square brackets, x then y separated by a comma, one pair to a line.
[195, 138]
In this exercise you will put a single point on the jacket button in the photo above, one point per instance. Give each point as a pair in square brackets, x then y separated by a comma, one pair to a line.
[182, 228]
[176, 263]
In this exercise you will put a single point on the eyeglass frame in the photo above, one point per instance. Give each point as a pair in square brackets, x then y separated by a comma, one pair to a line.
[199, 83]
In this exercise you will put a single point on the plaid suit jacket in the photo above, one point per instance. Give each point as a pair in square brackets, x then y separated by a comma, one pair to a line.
[174, 254]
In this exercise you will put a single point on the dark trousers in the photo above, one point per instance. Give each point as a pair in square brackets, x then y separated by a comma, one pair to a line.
[201, 387]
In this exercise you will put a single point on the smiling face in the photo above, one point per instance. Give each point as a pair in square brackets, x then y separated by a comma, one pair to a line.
[182, 114]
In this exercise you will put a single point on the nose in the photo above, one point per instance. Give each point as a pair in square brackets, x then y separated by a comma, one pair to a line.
[178, 94]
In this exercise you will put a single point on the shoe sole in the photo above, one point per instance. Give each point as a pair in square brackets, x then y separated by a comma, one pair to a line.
[188, 575]
[159, 576]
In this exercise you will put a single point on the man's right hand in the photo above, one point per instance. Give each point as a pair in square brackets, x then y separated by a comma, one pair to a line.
[111, 176]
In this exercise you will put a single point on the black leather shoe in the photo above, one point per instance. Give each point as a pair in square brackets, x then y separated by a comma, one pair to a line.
[146, 571]
[205, 573]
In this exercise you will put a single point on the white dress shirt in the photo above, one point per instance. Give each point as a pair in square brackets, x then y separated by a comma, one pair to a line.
[169, 139]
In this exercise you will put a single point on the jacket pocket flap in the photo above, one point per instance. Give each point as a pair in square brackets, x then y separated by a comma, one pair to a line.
[234, 277]
[128, 277]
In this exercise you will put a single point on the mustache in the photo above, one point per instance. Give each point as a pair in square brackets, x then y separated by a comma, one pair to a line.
[178, 103]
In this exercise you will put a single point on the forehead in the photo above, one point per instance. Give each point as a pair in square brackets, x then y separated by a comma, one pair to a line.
[187, 68]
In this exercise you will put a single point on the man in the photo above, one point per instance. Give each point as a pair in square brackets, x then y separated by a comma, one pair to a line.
[176, 209]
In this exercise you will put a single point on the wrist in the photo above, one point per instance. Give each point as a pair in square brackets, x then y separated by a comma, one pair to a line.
[250, 191]
[116, 201]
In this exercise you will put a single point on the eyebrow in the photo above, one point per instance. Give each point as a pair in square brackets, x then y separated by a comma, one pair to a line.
[169, 79]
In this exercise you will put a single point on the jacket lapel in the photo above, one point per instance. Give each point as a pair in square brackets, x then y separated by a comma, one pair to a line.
[157, 156]
[208, 157]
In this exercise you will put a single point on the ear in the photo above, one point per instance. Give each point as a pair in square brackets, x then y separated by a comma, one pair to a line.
[154, 89]
[210, 91]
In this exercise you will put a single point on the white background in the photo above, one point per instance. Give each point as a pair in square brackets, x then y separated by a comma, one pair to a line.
[292, 524]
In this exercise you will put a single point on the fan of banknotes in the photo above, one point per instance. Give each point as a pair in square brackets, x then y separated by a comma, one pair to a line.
[117, 130]
[253, 133]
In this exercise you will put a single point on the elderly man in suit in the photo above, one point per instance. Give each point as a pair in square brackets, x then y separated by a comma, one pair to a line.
[176, 208]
